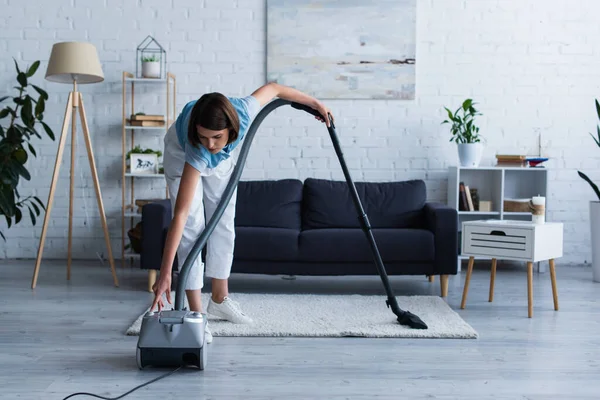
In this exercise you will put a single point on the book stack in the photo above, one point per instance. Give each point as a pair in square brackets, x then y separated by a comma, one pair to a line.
[507, 160]
[147, 120]
[468, 199]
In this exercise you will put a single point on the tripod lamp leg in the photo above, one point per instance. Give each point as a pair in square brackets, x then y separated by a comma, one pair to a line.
[57, 163]
[88, 143]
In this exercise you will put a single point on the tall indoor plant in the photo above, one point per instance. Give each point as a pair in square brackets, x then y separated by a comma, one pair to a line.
[15, 136]
[595, 213]
[465, 133]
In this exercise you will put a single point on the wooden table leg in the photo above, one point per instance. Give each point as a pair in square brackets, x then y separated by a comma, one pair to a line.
[467, 280]
[444, 285]
[151, 279]
[492, 280]
[553, 279]
[530, 288]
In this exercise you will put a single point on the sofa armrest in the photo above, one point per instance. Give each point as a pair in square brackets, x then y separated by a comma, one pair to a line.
[156, 218]
[442, 220]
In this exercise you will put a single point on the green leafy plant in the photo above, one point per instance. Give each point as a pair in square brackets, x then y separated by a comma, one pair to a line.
[463, 127]
[597, 140]
[14, 143]
[138, 150]
[152, 58]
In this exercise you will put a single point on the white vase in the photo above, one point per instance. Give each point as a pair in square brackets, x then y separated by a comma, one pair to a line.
[595, 229]
[151, 69]
[470, 154]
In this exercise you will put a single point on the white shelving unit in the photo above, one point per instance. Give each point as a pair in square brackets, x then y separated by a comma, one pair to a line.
[129, 211]
[496, 184]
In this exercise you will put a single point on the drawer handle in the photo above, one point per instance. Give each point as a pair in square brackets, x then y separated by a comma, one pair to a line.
[497, 233]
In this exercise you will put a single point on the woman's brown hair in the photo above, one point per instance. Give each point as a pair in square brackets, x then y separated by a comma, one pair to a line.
[213, 111]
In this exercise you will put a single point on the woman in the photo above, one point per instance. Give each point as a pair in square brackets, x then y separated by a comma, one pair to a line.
[201, 149]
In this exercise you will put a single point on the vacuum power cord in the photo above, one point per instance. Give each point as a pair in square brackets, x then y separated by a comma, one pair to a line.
[125, 394]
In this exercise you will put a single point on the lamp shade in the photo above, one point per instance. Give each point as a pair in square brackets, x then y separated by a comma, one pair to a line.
[74, 61]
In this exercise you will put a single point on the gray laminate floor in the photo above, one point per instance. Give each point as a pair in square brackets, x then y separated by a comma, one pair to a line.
[67, 337]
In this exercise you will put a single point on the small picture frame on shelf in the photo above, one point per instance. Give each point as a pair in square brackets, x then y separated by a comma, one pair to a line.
[485, 205]
[143, 163]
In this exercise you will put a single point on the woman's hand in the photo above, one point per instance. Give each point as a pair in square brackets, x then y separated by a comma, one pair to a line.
[162, 285]
[320, 107]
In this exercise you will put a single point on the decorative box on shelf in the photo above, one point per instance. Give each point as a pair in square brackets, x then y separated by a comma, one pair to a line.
[517, 205]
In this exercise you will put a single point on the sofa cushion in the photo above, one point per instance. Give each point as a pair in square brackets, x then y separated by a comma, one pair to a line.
[270, 203]
[329, 204]
[352, 245]
[274, 244]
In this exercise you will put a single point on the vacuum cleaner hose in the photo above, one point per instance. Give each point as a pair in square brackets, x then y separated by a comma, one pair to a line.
[233, 181]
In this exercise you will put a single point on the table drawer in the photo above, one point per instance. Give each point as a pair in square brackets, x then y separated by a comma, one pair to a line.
[498, 241]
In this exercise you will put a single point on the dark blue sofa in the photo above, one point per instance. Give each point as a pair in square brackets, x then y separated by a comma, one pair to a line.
[312, 228]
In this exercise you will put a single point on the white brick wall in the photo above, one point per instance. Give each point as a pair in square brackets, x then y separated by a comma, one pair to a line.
[532, 65]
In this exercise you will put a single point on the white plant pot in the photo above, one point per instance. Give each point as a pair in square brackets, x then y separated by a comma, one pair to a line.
[595, 229]
[151, 69]
[470, 154]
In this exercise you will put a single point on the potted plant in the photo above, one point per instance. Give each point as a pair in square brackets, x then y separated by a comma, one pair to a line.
[15, 141]
[150, 66]
[594, 213]
[465, 133]
[139, 150]
[143, 156]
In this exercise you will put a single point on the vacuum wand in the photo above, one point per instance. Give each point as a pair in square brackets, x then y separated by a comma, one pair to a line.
[404, 317]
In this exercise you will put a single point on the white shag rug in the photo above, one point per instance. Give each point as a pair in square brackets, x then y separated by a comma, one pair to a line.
[308, 315]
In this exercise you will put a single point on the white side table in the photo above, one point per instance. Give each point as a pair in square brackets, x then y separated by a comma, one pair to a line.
[513, 240]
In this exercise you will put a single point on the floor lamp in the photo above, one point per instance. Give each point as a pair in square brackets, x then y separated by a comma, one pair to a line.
[73, 63]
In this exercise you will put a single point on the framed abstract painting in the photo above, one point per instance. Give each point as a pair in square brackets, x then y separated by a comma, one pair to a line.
[343, 49]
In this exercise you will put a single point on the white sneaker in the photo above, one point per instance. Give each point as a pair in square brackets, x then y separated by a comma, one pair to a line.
[228, 310]
[208, 337]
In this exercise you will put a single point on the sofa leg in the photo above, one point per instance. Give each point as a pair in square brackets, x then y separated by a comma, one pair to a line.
[431, 278]
[444, 285]
[151, 279]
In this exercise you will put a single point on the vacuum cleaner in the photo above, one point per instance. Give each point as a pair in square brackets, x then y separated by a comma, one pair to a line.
[172, 338]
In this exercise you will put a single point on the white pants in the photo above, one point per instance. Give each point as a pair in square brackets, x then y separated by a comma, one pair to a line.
[211, 185]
